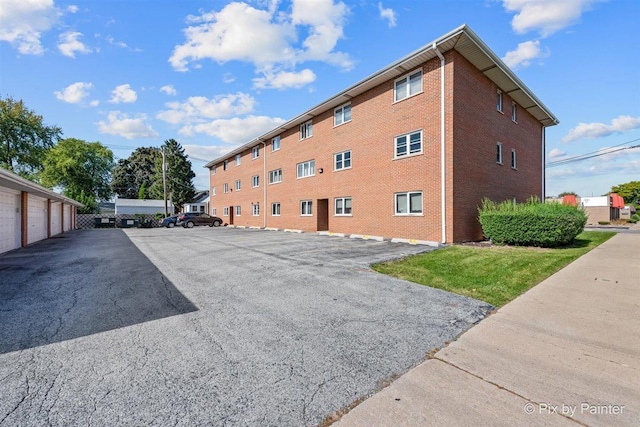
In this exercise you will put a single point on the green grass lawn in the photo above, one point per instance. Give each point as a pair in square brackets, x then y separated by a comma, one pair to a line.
[495, 274]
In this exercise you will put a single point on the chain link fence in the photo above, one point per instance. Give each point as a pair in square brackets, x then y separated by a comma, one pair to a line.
[86, 221]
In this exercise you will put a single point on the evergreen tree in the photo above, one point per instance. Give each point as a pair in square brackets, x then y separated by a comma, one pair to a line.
[136, 171]
[179, 175]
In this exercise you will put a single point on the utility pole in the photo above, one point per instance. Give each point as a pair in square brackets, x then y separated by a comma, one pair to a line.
[164, 183]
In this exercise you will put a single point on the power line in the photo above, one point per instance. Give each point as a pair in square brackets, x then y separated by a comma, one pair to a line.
[593, 154]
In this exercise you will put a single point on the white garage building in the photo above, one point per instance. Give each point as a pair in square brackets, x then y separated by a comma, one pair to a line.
[30, 212]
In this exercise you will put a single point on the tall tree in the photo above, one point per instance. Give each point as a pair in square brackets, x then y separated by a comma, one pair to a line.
[136, 171]
[82, 169]
[630, 192]
[24, 138]
[179, 175]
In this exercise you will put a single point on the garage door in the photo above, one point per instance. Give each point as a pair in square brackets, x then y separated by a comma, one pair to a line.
[9, 219]
[56, 218]
[37, 219]
[67, 217]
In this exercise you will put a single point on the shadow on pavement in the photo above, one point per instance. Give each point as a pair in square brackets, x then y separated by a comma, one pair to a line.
[78, 284]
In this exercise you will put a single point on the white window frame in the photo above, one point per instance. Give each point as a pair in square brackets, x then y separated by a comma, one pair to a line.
[514, 160]
[255, 152]
[499, 101]
[514, 112]
[408, 143]
[339, 115]
[275, 209]
[238, 210]
[238, 185]
[408, 194]
[273, 174]
[310, 166]
[225, 188]
[213, 191]
[214, 211]
[225, 211]
[342, 160]
[499, 158]
[275, 143]
[306, 130]
[213, 170]
[407, 80]
[255, 181]
[255, 209]
[238, 159]
[306, 206]
[343, 208]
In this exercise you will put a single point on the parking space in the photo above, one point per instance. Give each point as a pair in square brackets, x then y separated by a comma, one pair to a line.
[212, 326]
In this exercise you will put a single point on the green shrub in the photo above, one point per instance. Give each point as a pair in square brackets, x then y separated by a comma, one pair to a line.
[604, 222]
[635, 217]
[533, 223]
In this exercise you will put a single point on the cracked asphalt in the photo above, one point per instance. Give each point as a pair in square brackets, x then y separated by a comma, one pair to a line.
[203, 326]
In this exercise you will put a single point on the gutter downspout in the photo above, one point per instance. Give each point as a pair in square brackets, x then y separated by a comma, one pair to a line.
[443, 207]
[264, 184]
[544, 171]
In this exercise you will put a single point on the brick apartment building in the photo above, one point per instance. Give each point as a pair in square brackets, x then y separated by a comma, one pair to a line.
[408, 152]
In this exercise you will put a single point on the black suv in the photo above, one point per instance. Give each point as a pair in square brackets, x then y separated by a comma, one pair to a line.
[190, 219]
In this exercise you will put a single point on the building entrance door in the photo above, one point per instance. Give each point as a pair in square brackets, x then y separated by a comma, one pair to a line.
[323, 214]
[231, 215]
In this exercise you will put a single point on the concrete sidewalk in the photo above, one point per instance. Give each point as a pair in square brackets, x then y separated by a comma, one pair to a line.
[567, 352]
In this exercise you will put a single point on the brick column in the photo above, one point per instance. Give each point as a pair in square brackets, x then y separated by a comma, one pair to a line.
[48, 218]
[24, 218]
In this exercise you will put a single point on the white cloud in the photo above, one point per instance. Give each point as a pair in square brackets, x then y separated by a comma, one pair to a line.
[545, 16]
[197, 109]
[72, 8]
[388, 14]
[68, 44]
[121, 124]
[112, 41]
[228, 78]
[74, 93]
[599, 130]
[22, 23]
[235, 130]
[284, 79]
[169, 90]
[94, 103]
[556, 153]
[265, 37]
[524, 54]
[123, 93]
[205, 153]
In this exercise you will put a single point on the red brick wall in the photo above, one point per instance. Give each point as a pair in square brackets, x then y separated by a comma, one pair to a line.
[478, 126]
[375, 176]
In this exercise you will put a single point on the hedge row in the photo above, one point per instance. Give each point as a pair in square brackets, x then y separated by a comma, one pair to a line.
[533, 223]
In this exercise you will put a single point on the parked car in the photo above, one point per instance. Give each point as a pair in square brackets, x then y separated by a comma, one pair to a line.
[170, 221]
[189, 220]
[183, 216]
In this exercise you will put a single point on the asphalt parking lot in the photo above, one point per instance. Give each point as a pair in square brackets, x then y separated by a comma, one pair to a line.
[208, 326]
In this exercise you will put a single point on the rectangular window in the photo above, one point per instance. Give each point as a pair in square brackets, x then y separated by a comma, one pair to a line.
[342, 115]
[514, 163]
[408, 144]
[255, 181]
[255, 152]
[238, 185]
[255, 210]
[238, 210]
[213, 191]
[275, 209]
[409, 203]
[306, 207]
[213, 170]
[342, 160]
[499, 101]
[306, 169]
[238, 159]
[306, 130]
[225, 188]
[514, 112]
[408, 85]
[343, 206]
[225, 211]
[275, 144]
[224, 165]
[214, 211]
[275, 176]
[499, 153]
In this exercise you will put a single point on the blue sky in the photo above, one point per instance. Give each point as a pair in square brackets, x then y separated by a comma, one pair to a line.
[215, 74]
